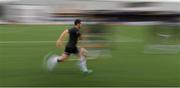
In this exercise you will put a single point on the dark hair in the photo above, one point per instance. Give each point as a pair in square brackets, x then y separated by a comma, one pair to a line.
[77, 21]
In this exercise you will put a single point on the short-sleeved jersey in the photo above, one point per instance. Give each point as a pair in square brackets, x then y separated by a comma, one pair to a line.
[74, 34]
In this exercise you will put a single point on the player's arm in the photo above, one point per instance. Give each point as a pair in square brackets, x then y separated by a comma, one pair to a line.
[61, 38]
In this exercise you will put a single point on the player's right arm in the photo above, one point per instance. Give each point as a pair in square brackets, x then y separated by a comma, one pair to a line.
[61, 38]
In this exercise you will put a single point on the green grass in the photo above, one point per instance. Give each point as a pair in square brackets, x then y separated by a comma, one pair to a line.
[21, 63]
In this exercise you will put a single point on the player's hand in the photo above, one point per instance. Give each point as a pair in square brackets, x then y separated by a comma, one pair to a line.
[58, 44]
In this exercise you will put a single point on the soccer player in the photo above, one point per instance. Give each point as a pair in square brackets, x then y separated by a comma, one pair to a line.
[70, 48]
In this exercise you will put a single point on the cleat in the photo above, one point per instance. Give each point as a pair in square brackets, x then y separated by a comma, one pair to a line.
[88, 72]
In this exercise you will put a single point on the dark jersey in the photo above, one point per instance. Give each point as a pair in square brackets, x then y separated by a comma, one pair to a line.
[74, 34]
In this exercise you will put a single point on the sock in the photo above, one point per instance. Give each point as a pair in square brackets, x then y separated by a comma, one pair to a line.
[83, 64]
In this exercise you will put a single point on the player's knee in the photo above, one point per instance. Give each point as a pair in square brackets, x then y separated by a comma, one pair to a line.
[83, 52]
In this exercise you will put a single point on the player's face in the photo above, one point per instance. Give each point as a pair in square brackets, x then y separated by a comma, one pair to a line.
[79, 25]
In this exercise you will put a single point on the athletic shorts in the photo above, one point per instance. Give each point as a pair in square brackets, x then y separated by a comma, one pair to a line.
[71, 50]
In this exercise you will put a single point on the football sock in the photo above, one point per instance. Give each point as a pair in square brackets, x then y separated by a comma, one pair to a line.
[83, 64]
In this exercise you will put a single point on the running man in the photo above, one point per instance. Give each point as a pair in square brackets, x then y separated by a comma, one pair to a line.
[70, 48]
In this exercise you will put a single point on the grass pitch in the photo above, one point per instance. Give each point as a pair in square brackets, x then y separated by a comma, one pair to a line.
[23, 47]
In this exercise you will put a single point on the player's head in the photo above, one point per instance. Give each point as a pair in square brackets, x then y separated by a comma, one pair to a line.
[77, 23]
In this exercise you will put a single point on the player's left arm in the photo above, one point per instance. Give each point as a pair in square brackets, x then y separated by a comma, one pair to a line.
[61, 38]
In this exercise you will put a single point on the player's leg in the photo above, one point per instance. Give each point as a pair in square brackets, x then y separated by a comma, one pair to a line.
[54, 59]
[64, 56]
[82, 61]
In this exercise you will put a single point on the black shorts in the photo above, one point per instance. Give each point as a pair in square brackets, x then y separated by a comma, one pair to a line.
[71, 50]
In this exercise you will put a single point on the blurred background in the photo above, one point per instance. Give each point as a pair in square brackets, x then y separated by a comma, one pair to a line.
[130, 42]
[58, 11]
